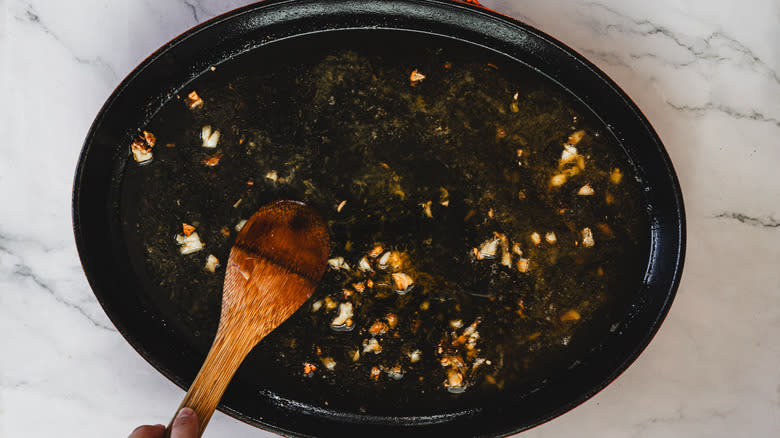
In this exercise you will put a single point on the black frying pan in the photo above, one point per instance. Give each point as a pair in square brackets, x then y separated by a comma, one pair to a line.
[104, 254]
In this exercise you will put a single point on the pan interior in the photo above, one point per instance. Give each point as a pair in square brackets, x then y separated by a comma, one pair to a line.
[430, 169]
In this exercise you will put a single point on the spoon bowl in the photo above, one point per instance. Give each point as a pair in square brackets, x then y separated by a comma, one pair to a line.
[274, 266]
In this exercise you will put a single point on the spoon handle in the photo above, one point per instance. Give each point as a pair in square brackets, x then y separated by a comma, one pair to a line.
[227, 352]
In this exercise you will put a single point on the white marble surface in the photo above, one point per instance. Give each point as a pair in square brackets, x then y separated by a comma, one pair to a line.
[706, 73]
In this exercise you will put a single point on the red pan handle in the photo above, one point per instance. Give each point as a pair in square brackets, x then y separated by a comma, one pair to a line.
[471, 2]
[478, 4]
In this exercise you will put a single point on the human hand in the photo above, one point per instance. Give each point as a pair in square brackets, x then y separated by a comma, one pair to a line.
[185, 425]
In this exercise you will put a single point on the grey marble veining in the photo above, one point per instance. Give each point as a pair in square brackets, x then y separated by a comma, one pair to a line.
[705, 73]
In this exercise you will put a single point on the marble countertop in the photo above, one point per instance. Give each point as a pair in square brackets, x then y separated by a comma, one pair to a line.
[705, 73]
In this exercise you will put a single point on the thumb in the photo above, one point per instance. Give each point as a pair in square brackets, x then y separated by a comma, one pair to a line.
[185, 425]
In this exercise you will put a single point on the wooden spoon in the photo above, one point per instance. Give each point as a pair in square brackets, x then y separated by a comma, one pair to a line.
[279, 257]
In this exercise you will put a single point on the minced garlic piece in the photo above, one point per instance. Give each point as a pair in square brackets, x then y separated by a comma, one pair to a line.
[376, 251]
[558, 180]
[371, 346]
[338, 263]
[550, 237]
[392, 320]
[569, 153]
[506, 256]
[210, 137]
[141, 155]
[378, 328]
[212, 161]
[189, 244]
[194, 101]
[471, 329]
[416, 77]
[587, 238]
[187, 229]
[426, 207]
[384, 260]
[309, 369]
[571, 315]
[586, 190]
[452, 360]
[402, 282]
[390, 259]
[515, 106]
[328, 362]
[444, 199]
[454, 381]
[142, 150]
[522, 265]
[616, 176]
[364, 265]
[488, 249]
[345, 313]
[473, 336]
[149, 138]
[536, 238]
[506, 259]
[212, 263]
[395, 373]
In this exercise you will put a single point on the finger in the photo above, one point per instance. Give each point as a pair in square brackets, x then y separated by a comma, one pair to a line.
[155, 431]
[185, 425]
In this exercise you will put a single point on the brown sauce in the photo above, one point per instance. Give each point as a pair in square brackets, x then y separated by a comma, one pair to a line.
[454, 176]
